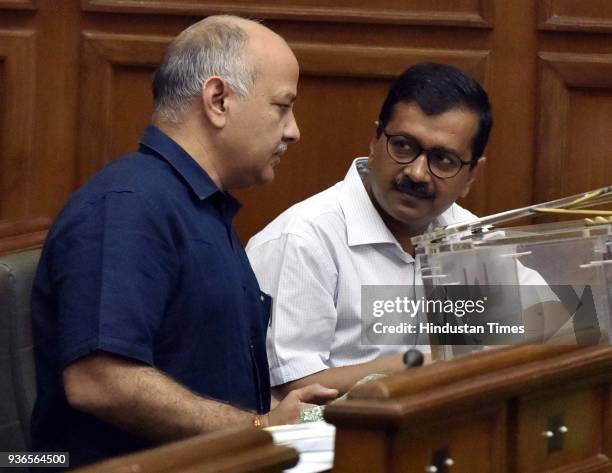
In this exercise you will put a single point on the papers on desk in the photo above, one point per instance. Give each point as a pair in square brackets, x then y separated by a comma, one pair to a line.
[314, 441]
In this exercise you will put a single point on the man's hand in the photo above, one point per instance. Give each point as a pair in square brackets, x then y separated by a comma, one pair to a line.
[289, 409]
[344, 378]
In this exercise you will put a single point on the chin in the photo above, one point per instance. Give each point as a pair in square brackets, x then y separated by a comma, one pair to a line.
[410, 216]
[414, 218]
[267, 177]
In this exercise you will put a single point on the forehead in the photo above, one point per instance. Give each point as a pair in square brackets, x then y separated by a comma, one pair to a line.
[454, 128]
[276, 67]
[279, 77]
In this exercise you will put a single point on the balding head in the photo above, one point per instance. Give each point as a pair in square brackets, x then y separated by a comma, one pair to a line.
[222, 46]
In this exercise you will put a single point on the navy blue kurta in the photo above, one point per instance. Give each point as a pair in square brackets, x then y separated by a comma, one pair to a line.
[144, 263]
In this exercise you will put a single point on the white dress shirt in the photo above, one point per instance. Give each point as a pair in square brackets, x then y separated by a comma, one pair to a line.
[313, 260]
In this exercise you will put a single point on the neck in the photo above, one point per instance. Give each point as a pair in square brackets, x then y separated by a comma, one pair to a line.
[189, 135]
[402, 231]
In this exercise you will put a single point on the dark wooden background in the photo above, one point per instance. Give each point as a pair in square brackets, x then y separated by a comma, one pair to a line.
[75, 91]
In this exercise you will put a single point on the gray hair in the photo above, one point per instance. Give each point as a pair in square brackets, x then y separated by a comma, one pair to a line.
[215, 46]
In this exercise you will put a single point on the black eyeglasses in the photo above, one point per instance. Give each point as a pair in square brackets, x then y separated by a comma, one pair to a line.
[442, 163]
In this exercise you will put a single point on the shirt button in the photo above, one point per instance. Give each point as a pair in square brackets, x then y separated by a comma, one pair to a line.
[261, 298]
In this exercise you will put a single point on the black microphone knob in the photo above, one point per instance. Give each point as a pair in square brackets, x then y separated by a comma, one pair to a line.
[413, 358]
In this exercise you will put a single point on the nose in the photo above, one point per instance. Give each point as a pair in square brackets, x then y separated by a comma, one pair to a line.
[291, 133]
[418, 170]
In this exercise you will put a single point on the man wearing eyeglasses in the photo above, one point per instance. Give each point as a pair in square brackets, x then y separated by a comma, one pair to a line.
[315, 257]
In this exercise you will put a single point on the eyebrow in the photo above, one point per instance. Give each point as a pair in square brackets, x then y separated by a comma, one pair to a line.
[439, 148]
[290, 96]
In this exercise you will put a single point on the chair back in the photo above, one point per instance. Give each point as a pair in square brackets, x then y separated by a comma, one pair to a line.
[17, 369]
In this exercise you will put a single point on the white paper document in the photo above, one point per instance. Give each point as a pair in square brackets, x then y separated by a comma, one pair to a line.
[314, 441]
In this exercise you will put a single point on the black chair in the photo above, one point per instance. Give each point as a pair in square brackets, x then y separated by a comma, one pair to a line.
[17, 370]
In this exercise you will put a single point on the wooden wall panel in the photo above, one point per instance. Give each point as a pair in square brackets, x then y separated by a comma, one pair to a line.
[116, 105]
[18, 4]
[572, 15]
[93, 60]
[116, 100]
[472, 13]
[57, 25]
[17, 80]
[381, 62]
[575, 130]
[507, 180]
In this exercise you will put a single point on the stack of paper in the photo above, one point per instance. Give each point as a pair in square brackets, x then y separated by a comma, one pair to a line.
[314, 441]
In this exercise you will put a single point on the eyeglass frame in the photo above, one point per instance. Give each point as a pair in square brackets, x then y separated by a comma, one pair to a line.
[426, 151]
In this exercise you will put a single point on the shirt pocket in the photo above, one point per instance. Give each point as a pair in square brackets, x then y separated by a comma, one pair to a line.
[212, 283]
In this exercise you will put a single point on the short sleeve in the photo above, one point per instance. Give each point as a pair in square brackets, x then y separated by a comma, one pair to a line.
[301, 278]
[114, 269]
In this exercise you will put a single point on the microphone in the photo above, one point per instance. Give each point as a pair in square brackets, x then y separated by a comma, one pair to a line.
[413, 358]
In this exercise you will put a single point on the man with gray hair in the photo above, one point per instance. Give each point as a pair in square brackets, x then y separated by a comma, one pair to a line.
[148, 321]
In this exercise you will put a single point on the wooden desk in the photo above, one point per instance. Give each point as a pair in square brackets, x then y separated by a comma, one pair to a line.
[235, 451]
[511, 410]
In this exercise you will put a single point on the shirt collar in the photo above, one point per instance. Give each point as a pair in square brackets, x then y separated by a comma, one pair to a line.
[192, 173]
[364, 225]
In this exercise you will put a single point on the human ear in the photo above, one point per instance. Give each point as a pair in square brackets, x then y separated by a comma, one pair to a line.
[214, 95]
[473, 175]
[376, 137]
[372, 144]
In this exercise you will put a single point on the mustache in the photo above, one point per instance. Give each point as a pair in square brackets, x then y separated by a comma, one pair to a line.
[281, 148]
[417, 189]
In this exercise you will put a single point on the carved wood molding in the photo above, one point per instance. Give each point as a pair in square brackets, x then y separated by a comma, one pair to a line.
[479, 18]
[17, 59]
[455, 370]
[382, 63]
[387, 404]
[549, 18]
[559, 72]
[20, 235]
[100, 53]
[580, 70]
[137, 50]
[18, 4]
